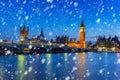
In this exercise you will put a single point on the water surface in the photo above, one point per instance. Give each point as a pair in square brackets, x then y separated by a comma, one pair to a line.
[64, 66]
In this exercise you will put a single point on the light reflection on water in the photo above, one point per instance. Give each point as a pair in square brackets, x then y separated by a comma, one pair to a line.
[21, 66]
[64, 66]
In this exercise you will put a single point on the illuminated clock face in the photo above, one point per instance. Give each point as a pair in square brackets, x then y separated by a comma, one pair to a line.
[81, 30]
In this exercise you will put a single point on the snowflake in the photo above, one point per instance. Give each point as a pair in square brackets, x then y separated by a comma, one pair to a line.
[36, 72]
[52, 6]
[115, 73]
[49, 14]
[70, 12]
[19, 18]
[100, 58]
[87, 73]
[24, 2]
[112, 8]
[113, 15]
[101, 71]
[55, 78]
[30, 46]
[17, 1]
[118, 61]
[67, 78]
[25, 73]
[26, 17]
[15, 28]
[46, 8]
[108, 73]
[98, 20]
[97, 14]
[114, 20]
[3, 23]
[48, 62]
[8, 52]
[43, 61]
[102, 10]
[50, 33]
[65, 29]
[3, 4]
[29, 69]
[75, 4]
[59, 64]
[74, 58]
[8, 72]
[49, 1]
[74, 69]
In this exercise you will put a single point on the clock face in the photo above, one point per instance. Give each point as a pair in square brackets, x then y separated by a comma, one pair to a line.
[81, 30]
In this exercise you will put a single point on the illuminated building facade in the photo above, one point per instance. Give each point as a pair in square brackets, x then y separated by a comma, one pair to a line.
[82, 35]
[82, 42]
[24, 31]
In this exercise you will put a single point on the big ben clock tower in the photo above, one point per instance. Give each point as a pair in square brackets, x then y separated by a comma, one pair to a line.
[82, 35]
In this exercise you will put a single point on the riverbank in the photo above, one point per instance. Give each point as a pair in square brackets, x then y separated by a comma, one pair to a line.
[8, 50]
[3, 52]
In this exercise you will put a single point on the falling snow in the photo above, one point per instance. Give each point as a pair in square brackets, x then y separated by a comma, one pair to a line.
[67, 78]
[64, 14]
[43, 61]
[26, 17]
[41, 64]
[118, 61]
[49, 1]
[30, 46]
[74, 69]
[59, 17]
[75, 4]
[98, 20]
[101, 71]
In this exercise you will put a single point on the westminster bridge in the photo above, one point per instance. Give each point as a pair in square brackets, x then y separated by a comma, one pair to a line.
[37, 48]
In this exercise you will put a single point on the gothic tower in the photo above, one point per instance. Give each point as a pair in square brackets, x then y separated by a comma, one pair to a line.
[41, 35]
[82, 35]
[24, 33]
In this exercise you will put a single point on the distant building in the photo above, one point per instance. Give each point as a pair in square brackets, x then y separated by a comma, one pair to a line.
[34, 37]
[41, 37]
[72, 39]
[108, 42]
[24, 31]
[62, 39]
[82, 42]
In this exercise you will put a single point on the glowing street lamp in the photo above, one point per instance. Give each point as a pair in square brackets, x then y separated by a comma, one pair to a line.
[22, 40]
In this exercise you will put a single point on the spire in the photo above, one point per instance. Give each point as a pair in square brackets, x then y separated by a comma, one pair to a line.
[82, 23]
[42, 34]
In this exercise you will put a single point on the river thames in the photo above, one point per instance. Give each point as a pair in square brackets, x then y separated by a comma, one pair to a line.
[64, 66]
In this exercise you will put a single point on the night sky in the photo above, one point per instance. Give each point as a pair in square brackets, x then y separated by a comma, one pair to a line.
[59, 17]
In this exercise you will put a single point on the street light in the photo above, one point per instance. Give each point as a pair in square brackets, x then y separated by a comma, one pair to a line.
[22, 40]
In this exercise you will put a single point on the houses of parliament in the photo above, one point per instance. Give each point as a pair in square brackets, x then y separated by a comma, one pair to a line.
[82, 39]
[24, 32]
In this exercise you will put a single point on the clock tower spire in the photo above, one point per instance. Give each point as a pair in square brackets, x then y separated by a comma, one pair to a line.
[82, 35]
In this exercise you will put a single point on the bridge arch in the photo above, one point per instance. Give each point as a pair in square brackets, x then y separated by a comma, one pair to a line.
[57, 50]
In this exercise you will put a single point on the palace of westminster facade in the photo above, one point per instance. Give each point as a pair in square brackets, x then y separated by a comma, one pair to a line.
[24, 33]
